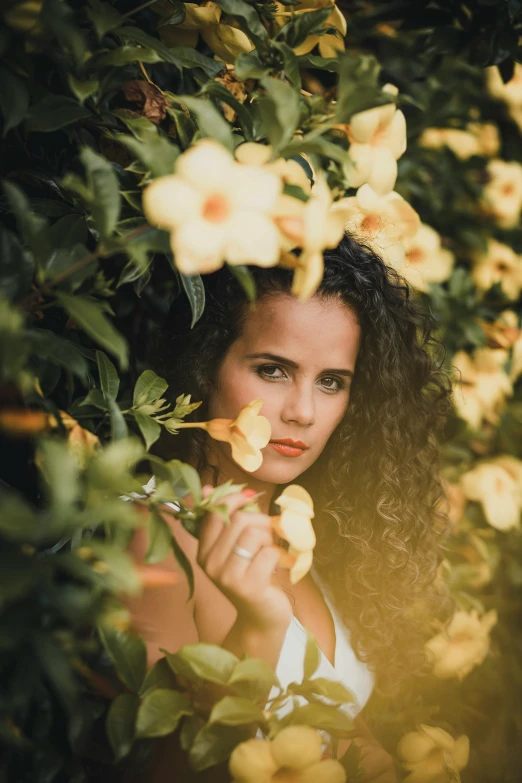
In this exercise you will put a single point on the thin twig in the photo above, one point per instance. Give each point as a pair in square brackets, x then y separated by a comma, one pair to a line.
[139, 8]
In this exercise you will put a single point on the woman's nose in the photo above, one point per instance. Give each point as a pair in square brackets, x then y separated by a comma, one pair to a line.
[299, 405]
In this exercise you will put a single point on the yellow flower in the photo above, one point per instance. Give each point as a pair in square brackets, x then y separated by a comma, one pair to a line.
[314, 226]
[426, 261]
[293, 756]
[500, 264]
[511, 92]
[82, 443]
[247, 434]
[216, 209]
[329, 45]
[462, 645]
[432, 755]
[224, 39]
[504, 332]
[382, 222]
[295, 526]
[290, 172]
[481, 385]
[497, 485]
[378, 139]
[502, 196]
[478, 139]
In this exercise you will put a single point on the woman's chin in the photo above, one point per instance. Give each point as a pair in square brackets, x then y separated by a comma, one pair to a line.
[279, 470]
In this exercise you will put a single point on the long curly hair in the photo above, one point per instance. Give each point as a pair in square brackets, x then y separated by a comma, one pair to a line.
[379, 521]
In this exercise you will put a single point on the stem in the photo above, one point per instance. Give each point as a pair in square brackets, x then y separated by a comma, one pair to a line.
[191, 425]
[139, 8]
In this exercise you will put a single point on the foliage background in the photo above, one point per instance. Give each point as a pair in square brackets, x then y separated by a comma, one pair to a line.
[83, 279]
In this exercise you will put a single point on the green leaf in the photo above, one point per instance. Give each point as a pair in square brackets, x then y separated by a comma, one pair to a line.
[68, 230]
[244, 116]
[312, 657]
[185, 479]
[53, 348]
[124, 55]
[204, 661]
[321, 716]
[149, 388]
[253, 678]
[179, 554]
[180, 56]
[17, 267]
[88, 313]
[82, 89]
[290, 61]
[109, 380]
[211, 122]
[104, 186]
[358, 87]
[55, 112]
[149, 427]
[159, 676]
[279, 110]
[213, 744]
[351, 760]
[33, 228]
[60, 473]
[103, 17]
[248, 18]
[300, 26]
[121, 720]
[159, 155]
[245, 279]
[177, 16]
[236, 711]
[119, 429]
[250, 66]
[14, 99]
[160, 712]
[128, 654]
[195, 291]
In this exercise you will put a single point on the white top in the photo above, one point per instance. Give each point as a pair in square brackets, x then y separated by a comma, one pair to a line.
[348, 669]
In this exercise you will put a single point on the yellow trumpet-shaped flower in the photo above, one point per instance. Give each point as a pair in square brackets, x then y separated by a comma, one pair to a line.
[477, 139]
[432, 755]
[481, 385]
[378, 139]
[502, 196]
[294, 525]
[499, 264]
[462, 646]
[217, 30]
[293, 756]
[426, 260]
[313, 226]
[247, 434]
[382, 222]
[497, 485]
[216, 210]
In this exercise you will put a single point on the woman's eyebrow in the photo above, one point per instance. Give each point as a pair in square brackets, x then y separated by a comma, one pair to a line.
[283, 360]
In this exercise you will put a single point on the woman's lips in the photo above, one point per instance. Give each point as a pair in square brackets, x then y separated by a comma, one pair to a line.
[288, 448]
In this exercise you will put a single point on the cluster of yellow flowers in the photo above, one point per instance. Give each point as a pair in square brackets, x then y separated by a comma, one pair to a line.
[293, 756]
[432, 755]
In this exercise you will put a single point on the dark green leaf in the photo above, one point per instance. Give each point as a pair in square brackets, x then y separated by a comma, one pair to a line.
[213, 744]
[149, 428]
[195, 291]
[243, 115]
[128, 654]
[205, 661]
[68, 230]
[89, 314]
[82, 89]
[119, 427]
[14, 99]
[104, 186]
[181, 56]
[109, 380]
[158, 155]
[160, 676]
[121, 720]
[17, 267]
[248, 17]
[177, 16]
[300, 26]
[236, 711]
[245, 279]
[149, 388]
[55, 112]
[160, 712]
[210, 121]
[186, 479]
[290, 62]
[181, 558]
[33, 229]
[358, 87]
[103, 17]
[250, 66]
[124, 55]
[279, 110]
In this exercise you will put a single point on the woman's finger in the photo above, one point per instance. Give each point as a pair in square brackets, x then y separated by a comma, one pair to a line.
[227, 564]
[213, 524]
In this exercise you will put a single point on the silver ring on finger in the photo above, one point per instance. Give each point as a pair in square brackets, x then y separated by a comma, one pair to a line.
[244, 553]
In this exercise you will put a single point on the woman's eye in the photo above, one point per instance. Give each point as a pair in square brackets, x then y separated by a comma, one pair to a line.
[332, 384]
[271, 371]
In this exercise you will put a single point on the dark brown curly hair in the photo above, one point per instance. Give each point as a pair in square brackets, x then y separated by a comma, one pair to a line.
[379, 519]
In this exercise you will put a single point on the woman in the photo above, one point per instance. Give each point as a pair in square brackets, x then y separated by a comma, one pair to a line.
[353, 399]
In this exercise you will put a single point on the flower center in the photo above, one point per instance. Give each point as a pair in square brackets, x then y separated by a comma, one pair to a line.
[371, 224]
[216, 208]
[414, 256]
[501, 266]
[508, 189]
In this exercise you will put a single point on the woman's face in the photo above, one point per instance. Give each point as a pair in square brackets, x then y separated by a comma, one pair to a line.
[299, 357]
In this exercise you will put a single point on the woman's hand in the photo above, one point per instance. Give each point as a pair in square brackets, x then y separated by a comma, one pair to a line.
[246, 582]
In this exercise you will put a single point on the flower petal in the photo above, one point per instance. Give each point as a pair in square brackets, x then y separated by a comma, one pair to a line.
[198, 247]
[252, 239]
[206, 166]
[169, 202]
